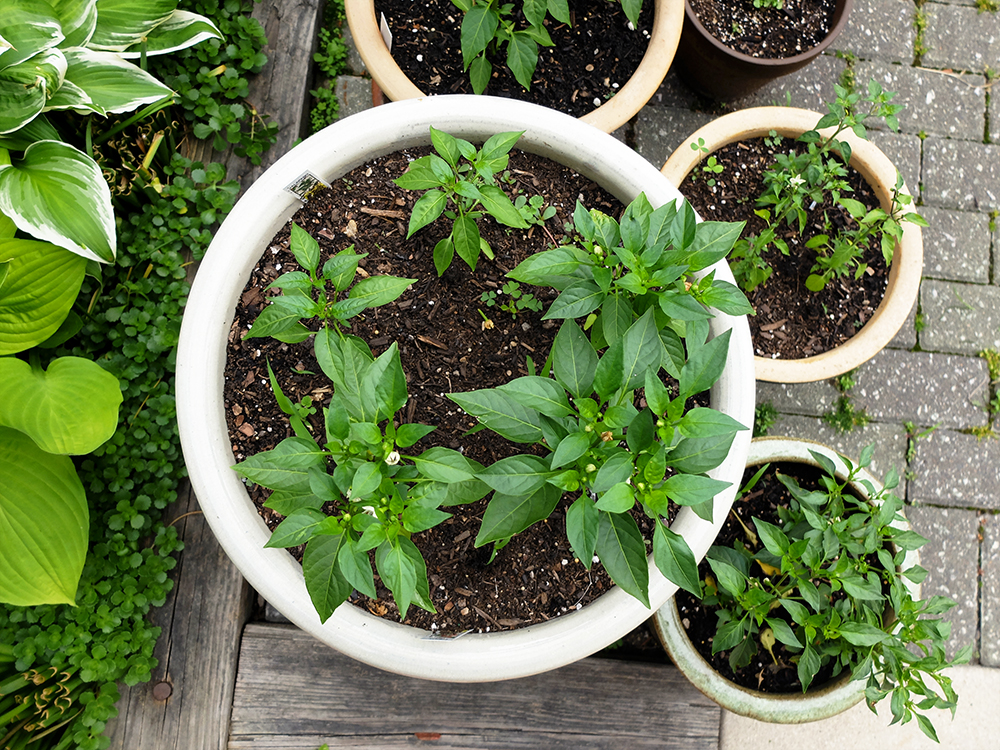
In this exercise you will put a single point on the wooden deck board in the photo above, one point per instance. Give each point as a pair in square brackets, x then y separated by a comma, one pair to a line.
[293, 692]
[204, 616]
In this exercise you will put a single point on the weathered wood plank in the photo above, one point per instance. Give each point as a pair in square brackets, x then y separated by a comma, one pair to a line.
[187, 703]
[293, 692]
[205, 613]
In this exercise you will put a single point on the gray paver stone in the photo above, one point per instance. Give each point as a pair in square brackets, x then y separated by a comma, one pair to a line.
[661, 130]
[952, 468]
[903, 150]
[880, 30]
[995, 233]
[354, 62]
[961, 174]
[951, 557]
[990, 636]
[809, 88]
[961, 38]
[889, 439]
[962, 318]
[673, 92]
[947, 104]
[994, 113]
[812, 399]
[927, 389]
[906, 337]
[956, 245]
[354, 95]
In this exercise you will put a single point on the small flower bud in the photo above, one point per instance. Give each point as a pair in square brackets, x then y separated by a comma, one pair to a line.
[588, 428]
[591, 468]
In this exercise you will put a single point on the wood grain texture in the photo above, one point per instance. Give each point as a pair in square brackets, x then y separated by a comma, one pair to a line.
[292, 692]
[208, 607]
[198, 648]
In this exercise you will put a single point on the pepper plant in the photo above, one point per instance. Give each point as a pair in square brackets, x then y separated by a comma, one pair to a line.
[833, 592]
[488, 26]
[380, 496]
[601, 440]
[459, 182]
[798, 181]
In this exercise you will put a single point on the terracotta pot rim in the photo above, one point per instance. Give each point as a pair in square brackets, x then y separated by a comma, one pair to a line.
[631, 97]
[822, 702]
[880, 173]
[843, 8]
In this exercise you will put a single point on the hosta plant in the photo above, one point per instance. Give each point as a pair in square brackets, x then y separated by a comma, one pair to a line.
[825, 581]
[56, 225]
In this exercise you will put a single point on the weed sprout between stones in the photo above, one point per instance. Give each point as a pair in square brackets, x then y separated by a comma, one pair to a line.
[833, 593]
[798, 181]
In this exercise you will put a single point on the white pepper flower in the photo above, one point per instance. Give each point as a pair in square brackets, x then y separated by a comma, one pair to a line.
[393, 458]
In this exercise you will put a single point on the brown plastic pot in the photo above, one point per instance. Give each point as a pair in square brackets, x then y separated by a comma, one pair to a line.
[719, 72]
[667, 21]
[880, 173]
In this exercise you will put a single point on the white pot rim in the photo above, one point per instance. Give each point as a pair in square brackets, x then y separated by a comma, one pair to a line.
[880, 173]
[631, 97]
[204, 435]
[778, 708]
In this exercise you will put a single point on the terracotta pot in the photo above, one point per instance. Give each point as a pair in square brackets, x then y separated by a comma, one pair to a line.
[201, 359]
[820, 702]
[719, 72]
[667, 22]
[880, 173]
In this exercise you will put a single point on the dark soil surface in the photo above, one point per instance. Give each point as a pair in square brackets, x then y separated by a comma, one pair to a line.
[587, 65]
[700, 621]
[772, 33]
[445, 346]
[791, 322]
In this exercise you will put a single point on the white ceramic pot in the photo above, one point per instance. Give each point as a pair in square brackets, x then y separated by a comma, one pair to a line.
[820, 702]
[201, 359]
[667, 22]
[880, 173]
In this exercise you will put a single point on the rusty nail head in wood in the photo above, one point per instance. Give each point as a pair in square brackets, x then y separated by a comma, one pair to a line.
[162, 691]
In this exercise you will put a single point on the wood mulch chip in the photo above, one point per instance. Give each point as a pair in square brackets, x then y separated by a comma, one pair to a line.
[588, 64]
[772, 33]
[445, 346]
[791, 322]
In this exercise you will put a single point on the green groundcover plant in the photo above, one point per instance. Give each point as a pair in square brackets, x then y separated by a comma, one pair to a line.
[633, 284]
[797, 181]
[833, 593]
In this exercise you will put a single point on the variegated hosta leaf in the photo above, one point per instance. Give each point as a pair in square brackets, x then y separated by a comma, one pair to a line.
[122, 23]
[78, 19]
[39, 129]
[29, 27]
[71, 96]
[183, 29]
[113, 84]
[44, 524]
[25, 85]
[58, 193]
[41, 284]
